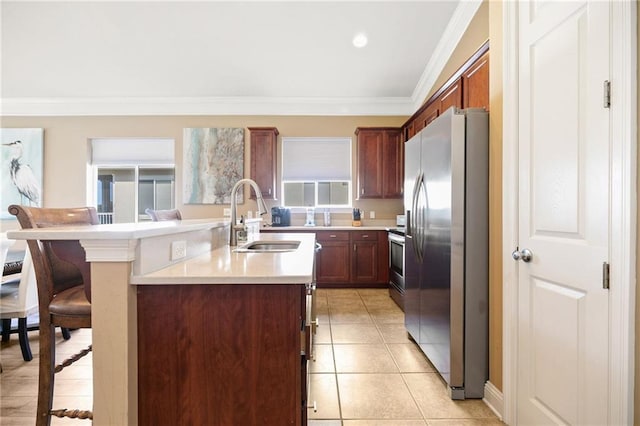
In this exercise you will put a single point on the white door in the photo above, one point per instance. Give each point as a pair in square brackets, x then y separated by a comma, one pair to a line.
[563, 205]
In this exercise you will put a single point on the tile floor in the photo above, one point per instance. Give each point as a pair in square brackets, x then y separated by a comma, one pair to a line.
[366, 372]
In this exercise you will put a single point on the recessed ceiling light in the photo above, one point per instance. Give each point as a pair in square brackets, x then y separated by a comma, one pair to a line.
[360, 40]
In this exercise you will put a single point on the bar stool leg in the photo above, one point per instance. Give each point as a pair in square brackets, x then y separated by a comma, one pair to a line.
[46, 373]
[24, 339]
[6, 329]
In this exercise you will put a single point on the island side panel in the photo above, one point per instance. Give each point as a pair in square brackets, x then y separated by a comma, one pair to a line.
[220, 354]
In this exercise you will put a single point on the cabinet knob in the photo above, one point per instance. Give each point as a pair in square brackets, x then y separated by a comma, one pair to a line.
[365, 236]
[332, 236]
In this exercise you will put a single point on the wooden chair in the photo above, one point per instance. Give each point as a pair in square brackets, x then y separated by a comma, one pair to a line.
[159, 215]
[64, 294]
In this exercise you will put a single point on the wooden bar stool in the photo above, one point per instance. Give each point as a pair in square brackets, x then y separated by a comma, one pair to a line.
[64, 294]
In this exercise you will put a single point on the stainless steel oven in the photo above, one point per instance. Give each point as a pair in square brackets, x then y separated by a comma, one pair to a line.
[396, 266]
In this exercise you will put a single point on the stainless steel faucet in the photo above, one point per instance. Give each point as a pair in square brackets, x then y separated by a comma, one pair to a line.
[262, 208]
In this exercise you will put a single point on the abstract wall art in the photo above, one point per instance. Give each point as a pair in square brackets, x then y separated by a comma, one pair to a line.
[213, 163]
[21, 156]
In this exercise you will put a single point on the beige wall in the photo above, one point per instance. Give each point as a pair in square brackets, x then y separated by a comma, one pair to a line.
[66, 151]
[495, 195]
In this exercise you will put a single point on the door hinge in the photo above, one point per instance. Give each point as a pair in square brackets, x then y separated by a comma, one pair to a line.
[605, 275]
[607, 94]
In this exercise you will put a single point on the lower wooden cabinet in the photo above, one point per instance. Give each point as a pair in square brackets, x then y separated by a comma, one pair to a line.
[333, 262]
[351, 258]
[222, 354]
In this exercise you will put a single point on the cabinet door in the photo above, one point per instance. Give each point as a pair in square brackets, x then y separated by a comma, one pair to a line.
[452, 96]
[370, 163]
[429, 114]
[393, 171]
[333, 262]
[476, 84]
[263, 160]
[364, 263]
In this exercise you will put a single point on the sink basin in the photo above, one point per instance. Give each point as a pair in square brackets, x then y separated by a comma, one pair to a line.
[269, 246]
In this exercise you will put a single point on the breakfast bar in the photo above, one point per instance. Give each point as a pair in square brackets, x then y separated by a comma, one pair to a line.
[209, 334]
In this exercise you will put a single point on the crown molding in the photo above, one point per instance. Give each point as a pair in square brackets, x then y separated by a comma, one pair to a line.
[451, 36]
[204, 106]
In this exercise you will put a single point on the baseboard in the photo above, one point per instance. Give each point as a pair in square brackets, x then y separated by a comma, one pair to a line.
[493, 398]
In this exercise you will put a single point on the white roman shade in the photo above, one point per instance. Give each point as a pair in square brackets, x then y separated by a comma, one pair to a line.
[138, 151]
[316, 159]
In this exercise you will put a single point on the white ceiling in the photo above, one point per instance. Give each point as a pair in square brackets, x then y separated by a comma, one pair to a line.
[217, 57]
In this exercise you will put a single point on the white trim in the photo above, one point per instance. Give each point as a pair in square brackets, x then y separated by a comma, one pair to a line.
[623, 137]
[623, 211]
[493, 398]
[456, 28]
[110, 250]
[510, 210]
[205, 106]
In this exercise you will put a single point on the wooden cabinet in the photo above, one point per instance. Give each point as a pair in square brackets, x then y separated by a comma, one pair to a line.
[451, 97]
[364, 266]
[380, 162]
[333, 262]
[425, 117]
[350, 258]
[263, 142]
[221, 354]
[476, 84]
[393, 164]
[468, 87]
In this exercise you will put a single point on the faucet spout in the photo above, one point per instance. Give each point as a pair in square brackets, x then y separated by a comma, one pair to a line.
[262, 207]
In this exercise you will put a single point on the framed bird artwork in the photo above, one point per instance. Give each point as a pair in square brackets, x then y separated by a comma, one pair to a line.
[21, 156]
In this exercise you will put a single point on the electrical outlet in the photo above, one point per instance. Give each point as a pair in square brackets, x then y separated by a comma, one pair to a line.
[226, 212]
[372, 214]
[178, 250]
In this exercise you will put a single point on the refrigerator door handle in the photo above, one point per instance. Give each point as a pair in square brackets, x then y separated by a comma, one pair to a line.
[422, 230]
[413, 217]
[419, 219]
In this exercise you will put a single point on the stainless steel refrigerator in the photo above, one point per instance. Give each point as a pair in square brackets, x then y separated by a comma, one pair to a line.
[446, 247]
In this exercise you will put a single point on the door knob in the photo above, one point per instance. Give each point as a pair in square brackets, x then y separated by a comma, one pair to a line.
[525, 255]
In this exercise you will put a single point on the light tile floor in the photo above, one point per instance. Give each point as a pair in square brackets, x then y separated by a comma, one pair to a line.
[366, 372]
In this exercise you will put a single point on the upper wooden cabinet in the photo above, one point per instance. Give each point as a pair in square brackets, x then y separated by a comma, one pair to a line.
[451, 97]
[466, 88]
[263, 143]
[380, 162]
[476, 84]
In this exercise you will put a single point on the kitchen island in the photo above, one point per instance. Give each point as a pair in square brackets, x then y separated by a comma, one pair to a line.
[217, 337]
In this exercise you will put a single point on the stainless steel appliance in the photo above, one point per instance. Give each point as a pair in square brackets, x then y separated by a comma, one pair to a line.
[446, 246]
[280, 216]
[396, 266]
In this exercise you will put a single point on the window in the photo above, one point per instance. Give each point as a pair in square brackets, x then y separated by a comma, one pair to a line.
[131, 175]
[316, 172]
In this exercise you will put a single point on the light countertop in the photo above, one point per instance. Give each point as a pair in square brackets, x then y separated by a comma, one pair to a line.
[225, 266]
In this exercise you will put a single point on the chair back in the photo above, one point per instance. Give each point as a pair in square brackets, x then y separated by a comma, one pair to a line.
[159, 215]
[20, 299]
[58, 265]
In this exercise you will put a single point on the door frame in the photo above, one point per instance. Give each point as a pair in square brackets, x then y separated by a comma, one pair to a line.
[623, 204]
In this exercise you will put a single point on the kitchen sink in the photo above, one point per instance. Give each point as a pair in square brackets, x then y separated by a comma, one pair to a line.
[268, 246]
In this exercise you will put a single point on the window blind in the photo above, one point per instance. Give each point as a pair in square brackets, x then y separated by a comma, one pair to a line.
[316, 159]
[138, 151]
